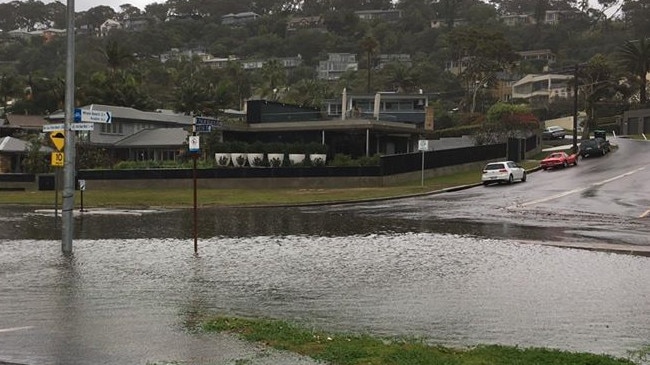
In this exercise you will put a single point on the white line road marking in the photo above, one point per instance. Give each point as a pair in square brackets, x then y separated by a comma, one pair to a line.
[645, 214]
[3, 330]
[560, 195]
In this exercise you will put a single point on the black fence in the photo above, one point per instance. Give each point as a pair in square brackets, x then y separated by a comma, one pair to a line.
[397, 164]
[17, 178]
[389, 165]
[239, 172]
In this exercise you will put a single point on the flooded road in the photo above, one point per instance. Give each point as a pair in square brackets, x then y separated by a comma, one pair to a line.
[134, 290]
[463, 268]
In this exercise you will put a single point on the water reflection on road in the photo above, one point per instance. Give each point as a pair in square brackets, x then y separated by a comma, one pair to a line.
[135, 277]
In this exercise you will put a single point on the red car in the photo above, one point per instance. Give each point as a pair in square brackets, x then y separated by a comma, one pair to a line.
[558, 159]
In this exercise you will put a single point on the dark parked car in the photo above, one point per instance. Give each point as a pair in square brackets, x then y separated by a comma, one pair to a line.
[553, 132]
[593, 147]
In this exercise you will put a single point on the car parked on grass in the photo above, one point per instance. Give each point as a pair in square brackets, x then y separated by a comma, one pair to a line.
[502, 172]
[558, 159]
[553, 132]
[593, 147]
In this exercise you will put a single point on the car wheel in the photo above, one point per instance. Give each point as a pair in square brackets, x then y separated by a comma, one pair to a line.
[510, 179]
[485, 183]
[565, 165]
[523, 177]
[575, 162]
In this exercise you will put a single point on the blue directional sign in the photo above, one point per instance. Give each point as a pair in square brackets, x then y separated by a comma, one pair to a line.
[93, 116]
[205, 124]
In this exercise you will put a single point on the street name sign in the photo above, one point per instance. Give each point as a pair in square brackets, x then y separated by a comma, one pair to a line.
[82, 126]
[53, 127]
[93, 116]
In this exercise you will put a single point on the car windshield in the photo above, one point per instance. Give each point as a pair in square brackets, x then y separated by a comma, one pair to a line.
[589, 143]
[494, 166]
[555, 155]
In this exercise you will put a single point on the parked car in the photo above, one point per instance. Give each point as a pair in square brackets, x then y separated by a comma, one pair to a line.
[558, 159]
[553, 132]
[593, 147]
[502, 172]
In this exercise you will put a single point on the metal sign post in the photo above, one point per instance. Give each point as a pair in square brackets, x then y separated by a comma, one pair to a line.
[82, 188]
[69, 167]
[194, 148]
[423, 145]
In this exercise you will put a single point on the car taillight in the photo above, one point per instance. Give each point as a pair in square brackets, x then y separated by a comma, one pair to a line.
[503, 170]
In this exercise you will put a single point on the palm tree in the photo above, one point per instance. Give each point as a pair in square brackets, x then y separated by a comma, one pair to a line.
[369, 45]
[274, 76]
[635, 57]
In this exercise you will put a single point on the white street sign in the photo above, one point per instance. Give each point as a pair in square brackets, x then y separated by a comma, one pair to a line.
[53, 127]
[93, 116]
[82, 126]
[423, 145]
[194, 143]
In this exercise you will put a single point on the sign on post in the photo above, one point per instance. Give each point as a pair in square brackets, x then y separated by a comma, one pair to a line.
[93, 116]
[194, 144]
[58, 138]
[82, 185]
[57, 159]
[205, 125]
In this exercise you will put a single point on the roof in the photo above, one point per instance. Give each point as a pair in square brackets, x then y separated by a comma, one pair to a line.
[332, 125]
[25, 121]
[15, 145]
[121, 112]
[159, 137]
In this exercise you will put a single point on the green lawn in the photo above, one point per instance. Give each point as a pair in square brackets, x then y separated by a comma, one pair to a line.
[355, 349]
[242, 197]
[235, 197]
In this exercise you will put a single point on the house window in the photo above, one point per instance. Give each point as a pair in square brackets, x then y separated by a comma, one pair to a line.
[112, 128]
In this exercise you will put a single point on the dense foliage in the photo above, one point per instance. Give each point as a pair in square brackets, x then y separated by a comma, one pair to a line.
[131, 68]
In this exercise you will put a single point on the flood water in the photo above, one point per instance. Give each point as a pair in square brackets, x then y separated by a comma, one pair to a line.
[133, 289]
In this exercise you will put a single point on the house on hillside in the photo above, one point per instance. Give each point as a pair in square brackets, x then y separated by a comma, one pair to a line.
[306, 22]
[538, 90]
[390, 15]
[336, 65]
[108, 26]
[239, 18]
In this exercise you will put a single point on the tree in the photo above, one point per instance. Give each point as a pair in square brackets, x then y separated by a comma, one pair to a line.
[36, 161]
[635, 58]
[370, 46]
[506, 120]
[9, 88]
[597, 83]
[274, 77]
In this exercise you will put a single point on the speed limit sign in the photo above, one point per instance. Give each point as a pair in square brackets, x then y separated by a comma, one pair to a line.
[57, 159]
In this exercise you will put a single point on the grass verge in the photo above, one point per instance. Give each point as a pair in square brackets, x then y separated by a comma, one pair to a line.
[345, 349]
[236, 197]
[134, 198]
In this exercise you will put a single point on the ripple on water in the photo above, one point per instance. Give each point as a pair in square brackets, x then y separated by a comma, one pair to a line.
[451, 289]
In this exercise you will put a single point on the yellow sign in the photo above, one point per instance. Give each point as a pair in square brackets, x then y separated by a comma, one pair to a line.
[57, 159]
[58, 138]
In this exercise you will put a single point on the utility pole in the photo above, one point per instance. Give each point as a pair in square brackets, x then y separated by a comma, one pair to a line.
[69, 149]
